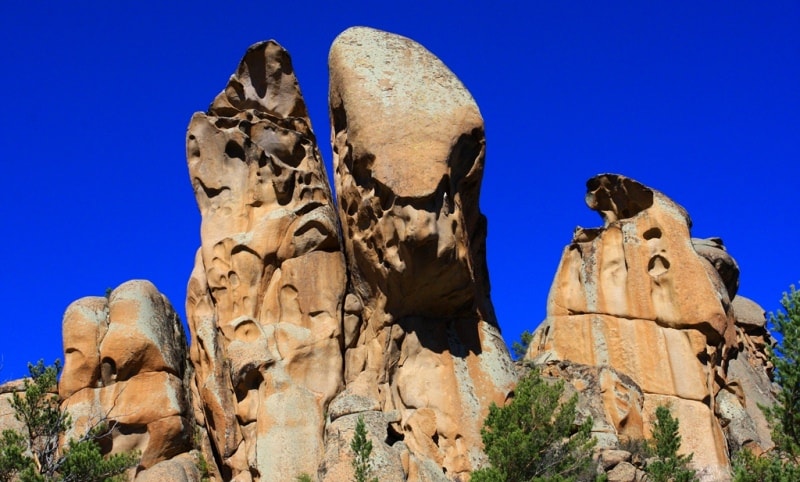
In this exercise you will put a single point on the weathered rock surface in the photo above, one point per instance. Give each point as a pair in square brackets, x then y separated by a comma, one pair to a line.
[749, 381]
[126, 364]
[422, 348]
[635, 296]
[265, 298]
[305, 317]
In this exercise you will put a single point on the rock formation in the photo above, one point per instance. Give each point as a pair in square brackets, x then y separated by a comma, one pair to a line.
[265, 298]
[306, 316]
[126, 364]
[653, 313]
[422, 347]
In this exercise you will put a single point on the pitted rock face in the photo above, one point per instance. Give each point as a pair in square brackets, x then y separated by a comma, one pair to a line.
[636, 296]
[422, 345]
[408, 147]
[126, 362]
[265, 298]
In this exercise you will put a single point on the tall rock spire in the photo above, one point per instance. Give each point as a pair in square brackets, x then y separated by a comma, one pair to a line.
[423, 354]
[265, 298]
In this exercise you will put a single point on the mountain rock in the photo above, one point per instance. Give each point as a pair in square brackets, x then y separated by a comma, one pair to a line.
[639, 296]
[309, 312]
[265, 298]
[422, 343]
[126, 364]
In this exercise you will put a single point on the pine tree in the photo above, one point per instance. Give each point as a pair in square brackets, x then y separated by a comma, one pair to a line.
[34, 457]
[520, 348]
[535, 437]
[782, 464]
[785, 414]
[668, 466]
[362, 450]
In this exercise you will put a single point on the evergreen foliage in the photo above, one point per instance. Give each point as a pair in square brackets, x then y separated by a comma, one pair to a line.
[782, 464]
[668, 466]
[785, 414]
[535, 437]
[33, 456]
[362, 449]
[768, 468]
[519, 348]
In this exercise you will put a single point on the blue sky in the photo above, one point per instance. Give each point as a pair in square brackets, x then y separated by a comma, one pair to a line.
[699, 100]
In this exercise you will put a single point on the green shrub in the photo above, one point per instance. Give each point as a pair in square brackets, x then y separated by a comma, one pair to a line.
[770, 467]
[782, 464]
[535, 437]
[785, 414]
[520, 348]
[33, 456]
[668, 466]
[362, 450]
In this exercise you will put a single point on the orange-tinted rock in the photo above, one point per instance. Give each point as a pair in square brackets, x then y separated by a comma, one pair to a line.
[635, 296]
[422, 340]
[264, 301]
[125, 365]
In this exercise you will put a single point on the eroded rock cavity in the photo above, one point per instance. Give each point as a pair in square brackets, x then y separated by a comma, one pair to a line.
[423, 354]
[265, 298]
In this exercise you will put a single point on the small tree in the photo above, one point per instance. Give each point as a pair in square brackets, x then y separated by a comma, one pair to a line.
[668, 466]
[782, 464]
[362, 449]
[535, 437]
[771, 467]
[34, 456]
[520, 348]
[785, 414]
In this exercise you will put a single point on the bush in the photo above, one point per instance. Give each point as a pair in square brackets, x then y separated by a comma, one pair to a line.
[362, 449]
[781, 464]
[668, 466]
[785, 414]
[34, 455]
[769, 468]
[520, 348]
[535, 437]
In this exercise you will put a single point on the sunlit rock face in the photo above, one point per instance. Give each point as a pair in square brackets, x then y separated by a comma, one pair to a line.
[423, 355]
[634, 295]
[126, 364]
[265, 298]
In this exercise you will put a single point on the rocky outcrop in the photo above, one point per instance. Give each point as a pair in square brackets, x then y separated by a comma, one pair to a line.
[126, 366]
[265, 298]
[306, 315]
[422, 347]
[635, 296]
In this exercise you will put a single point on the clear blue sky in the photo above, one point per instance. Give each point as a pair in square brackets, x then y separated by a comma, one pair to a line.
[700, 100]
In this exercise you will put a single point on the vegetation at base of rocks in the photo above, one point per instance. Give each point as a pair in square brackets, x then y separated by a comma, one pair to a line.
[202, 467]
[785, 414]
[668, 466]
[200, 460]
[362, 450]
[535, 437]
[34, 456]
[770, 467]
[782, 463]
[304, 478]
[519, 348]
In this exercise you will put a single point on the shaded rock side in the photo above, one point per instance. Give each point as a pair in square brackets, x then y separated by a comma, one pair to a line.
[635, 296]
[126, 364]
[749, 376]
[423, 352]
[266, 294]
[749, 369]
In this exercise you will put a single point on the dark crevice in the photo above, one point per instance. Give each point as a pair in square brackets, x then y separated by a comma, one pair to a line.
[210, 191]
